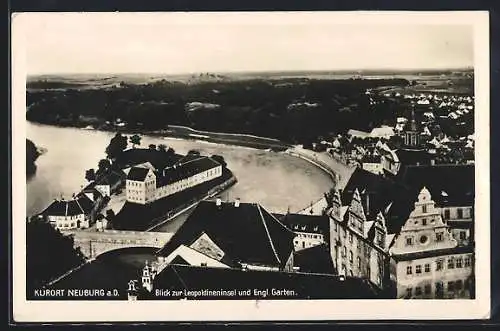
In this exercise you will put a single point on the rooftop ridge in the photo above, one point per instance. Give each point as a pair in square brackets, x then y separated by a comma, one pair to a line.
[267, 232]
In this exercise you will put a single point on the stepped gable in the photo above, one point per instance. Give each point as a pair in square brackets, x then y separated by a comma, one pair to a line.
[385, 195]
[246, 233]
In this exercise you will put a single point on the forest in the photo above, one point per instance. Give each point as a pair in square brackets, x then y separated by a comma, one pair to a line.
[290, 109]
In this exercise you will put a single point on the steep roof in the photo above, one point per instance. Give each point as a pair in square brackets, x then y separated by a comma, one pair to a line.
[303, 285]
[380, 194]
[452, 185]
[316, 259]
[247, 233]
[137, 174]
[76, 206]
[305, 223]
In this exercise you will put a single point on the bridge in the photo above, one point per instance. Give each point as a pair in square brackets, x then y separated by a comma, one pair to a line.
[94, 243]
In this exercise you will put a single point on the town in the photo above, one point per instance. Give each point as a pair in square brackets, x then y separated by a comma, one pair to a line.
[398, 223]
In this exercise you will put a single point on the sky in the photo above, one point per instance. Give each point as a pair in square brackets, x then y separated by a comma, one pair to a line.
[175, 43]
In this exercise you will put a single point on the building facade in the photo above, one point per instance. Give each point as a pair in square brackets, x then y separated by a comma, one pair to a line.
[422, 259]
[146, 184]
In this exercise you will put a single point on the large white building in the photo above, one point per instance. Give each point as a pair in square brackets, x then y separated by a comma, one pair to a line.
[146, 184]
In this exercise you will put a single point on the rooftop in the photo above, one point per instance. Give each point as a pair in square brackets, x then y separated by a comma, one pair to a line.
[246, 233]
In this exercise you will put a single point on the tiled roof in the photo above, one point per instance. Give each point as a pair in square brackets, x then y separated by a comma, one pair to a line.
[305, 223]
[137, 174]
[448, 184]
[77, 206]
[247, 233]
[191, 166]
[316, 259]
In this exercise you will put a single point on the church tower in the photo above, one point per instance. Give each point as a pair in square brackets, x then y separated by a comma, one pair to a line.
[412, 135]
[147, 281]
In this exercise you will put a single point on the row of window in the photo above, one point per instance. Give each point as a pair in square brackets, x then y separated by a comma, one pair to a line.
[460, 213]
[452, 286]
[310, 236]
[423, 239]
[452, 263]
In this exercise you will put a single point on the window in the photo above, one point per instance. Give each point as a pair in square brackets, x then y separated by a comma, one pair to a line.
[409, 241]
[418, 290]
[350, 257]
[427, 267]
[459, 262]
[424, 221]
[451, 263]
[350, 237]
[344, 251]
[463, 235]
[460, 213]
[424, 209]
[418, 269]
[467, 261]
[409, 292]
[359, 262]
[446, 214]
[439, 236]
[451, 286]
[427, 289]
[409, 270]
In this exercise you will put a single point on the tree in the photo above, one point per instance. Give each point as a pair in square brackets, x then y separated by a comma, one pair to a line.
[152, 146]
[116, 146]
[103, 165]
[135, 140]
[171, 151]
[220, 159]
[49, 254]
[90, 175]
[162, 147]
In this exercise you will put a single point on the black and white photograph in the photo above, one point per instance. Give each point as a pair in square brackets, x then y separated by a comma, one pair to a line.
[294, 165]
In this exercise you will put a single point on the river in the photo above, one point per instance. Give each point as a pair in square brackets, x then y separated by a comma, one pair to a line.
[275, 180]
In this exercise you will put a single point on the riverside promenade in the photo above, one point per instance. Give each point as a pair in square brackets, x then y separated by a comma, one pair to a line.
[338, 171]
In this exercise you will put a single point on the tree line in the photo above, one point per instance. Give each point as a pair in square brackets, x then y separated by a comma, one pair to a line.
[288, 109]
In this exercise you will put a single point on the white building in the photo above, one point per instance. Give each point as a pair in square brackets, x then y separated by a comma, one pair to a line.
[70, 214]
[145, 184]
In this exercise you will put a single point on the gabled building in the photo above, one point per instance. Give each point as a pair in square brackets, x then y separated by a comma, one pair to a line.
[236, 235]
[393, 234]
[70, 214]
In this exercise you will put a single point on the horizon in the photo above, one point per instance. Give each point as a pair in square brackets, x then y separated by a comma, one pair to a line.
[180, 43]
[255, 72]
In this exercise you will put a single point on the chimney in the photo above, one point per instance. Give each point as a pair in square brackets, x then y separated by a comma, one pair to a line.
[218, 202]
[237, 202]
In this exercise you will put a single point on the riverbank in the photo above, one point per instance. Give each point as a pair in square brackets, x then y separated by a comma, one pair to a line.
[188, 133]
[339, 172]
